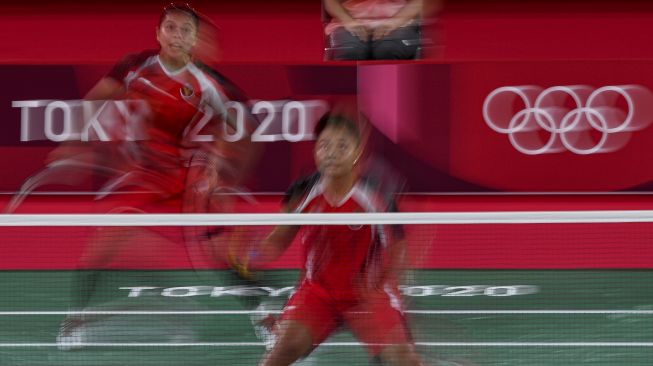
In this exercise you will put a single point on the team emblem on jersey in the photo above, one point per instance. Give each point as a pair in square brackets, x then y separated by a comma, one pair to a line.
[187, 91]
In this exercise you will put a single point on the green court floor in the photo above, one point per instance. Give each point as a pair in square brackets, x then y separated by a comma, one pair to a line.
[506, 318]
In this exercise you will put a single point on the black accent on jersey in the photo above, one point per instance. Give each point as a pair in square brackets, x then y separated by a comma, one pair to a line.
[389, 202]
[303, 185]
[300, 188]
[129, 63]
[232, 91]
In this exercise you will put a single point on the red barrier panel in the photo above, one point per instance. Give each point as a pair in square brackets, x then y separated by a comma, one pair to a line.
[82, 32]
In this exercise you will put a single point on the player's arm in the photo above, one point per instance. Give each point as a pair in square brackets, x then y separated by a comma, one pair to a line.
[112, 85]
[235, 158]
[276, 243]
[269, 250]
[222, 91]
[281, 237]
[397, 249]
[215, 103]
[106, 88]
[397, 255]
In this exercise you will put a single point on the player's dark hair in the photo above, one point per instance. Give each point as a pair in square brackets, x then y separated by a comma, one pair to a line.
[337, 121]
[180, 8]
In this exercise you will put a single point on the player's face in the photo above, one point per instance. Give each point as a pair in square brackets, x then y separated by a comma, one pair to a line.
[336, 152]
[176, 35]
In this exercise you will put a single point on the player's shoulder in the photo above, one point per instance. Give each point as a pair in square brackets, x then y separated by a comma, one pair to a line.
[209, 71]
[138, 58]
[369, 182]
[377, 194]
[228, 87]
[301, 187]
[131, 62]
[370, 186]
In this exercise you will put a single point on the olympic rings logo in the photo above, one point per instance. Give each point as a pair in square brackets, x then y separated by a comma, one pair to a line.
[576, 118]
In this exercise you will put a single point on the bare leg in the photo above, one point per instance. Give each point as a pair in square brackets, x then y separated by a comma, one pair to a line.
[400, 355]
[295, 341]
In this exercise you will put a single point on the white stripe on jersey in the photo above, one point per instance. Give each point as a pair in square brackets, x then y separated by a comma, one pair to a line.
[316, 190]
[361, 194]
[364, 196]
[211, 95]
[310, 264]
[395, 301]
[134, 74]
[169, 72]
[151, 85]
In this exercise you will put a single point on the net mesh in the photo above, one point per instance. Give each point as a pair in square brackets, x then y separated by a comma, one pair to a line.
[493, 288]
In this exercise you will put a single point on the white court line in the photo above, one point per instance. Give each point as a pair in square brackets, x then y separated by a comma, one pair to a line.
[344, 344]
[248, 312]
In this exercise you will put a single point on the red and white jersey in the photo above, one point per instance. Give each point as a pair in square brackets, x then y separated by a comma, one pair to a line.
[342, 259]
[168, 114]
[178, 100]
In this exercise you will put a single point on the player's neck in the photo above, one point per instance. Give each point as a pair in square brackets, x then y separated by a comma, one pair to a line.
[336, 188]
[173, 64]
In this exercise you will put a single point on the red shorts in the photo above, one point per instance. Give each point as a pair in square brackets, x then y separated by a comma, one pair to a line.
[375, 319]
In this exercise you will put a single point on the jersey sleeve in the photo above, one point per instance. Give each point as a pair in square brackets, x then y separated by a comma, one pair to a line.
[229, 91]
[121, 69]
[214, 95]
[216, 100]
[385, 195]
[398, 231]
[299, 189]
[229, 88]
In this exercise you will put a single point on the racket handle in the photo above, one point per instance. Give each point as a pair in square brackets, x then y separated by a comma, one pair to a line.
[242, 268]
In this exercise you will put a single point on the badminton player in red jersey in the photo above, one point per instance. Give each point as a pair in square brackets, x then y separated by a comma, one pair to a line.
[179, 98]
[172, 107]
[350, 271]
[165, 147]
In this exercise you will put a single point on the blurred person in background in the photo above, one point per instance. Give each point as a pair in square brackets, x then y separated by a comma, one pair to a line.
[376, 29]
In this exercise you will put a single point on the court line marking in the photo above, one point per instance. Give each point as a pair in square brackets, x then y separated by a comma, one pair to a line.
[343, 344]
[249, 312]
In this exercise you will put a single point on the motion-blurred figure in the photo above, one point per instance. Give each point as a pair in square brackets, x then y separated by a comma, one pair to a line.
[350, 272]
[376, 29]
[170, 145]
